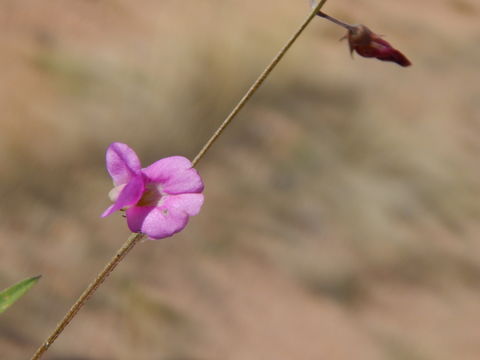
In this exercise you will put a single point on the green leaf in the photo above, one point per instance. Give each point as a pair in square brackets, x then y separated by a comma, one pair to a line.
[13, 293]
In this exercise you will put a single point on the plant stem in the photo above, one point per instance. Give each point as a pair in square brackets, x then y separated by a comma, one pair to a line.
[124, 250]
[135, 238]
[336, 21]
[260, 80]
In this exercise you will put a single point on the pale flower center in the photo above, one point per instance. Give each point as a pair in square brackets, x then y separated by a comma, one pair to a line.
[113, 194]
[152, 195]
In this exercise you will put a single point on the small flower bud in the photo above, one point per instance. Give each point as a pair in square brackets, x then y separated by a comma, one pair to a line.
[368, 44]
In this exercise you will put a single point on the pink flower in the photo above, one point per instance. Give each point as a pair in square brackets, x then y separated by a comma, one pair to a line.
[368, 44]
[159, 199]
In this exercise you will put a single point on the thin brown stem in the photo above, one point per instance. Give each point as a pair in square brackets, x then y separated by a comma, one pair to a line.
[260, 80]
[135, 238]
[124, 250]
[335, 21]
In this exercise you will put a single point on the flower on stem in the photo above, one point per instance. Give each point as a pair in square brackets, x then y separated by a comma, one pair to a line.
[368, 44]
[159, 199]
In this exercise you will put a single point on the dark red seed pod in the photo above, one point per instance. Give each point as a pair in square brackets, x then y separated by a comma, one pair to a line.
[368, 44]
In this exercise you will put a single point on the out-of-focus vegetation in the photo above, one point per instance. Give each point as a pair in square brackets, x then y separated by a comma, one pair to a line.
[342, 207]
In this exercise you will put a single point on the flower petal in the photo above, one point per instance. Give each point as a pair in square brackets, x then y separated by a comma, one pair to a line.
[395, 56]
[188, 181]
[166, 220]
[129, 195]
[122, 163]
[368, 44]
[136, 216]
[175, 174]
[156, 223]
[189, 204]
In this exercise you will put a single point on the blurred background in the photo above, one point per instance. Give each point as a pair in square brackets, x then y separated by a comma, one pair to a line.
[342, 206]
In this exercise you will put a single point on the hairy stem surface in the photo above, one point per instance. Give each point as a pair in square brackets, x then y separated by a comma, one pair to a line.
[135, 238]
[260, 80]
[124, 250]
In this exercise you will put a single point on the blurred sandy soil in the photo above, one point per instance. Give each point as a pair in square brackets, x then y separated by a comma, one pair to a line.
[342, 210]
